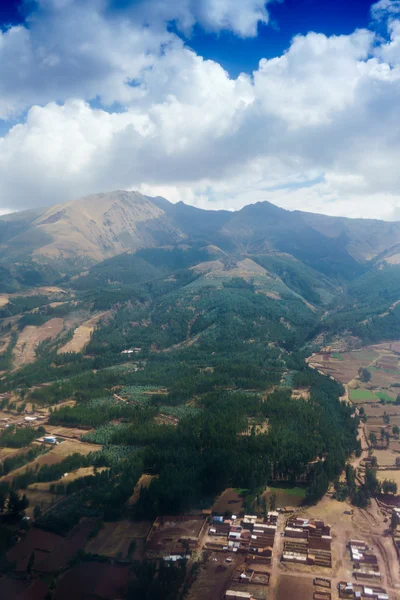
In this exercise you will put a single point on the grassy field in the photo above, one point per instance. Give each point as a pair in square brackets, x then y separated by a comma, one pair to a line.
[391, 475]
[117, 539]
[286, 495]
[361, 395]
[385, 396]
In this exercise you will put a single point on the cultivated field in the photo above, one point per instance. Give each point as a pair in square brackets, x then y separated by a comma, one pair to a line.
[167, 531]
[82, 335]
[56, 454]
[66, 432]
[214, 577]
[388, 474]
[30, 337]
[93, 580]
[286, 496]
[291, 586]
[115, 539]
[230, 500]
[386, 458]
[381, 359]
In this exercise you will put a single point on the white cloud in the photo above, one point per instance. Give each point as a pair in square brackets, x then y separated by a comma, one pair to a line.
[385, 9]
[317, 128]
[240, 16]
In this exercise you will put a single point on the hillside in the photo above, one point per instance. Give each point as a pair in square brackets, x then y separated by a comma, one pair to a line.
[91, 229]
[164, 344]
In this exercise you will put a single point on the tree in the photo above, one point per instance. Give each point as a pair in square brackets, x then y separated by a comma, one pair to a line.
[37, 511]
[272, 502]
[364, 375]
[372, 438]
[341, 491]
[394, 521]
[396, 430]
[360, 498]
[372, 484]
[389, 487]
[386, 418]
[16, 504]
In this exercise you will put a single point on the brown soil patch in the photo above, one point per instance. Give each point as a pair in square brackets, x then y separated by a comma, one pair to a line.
[82, 335]
[214, 577]
[388, 474]
[56, 455]
[114, 539]
[291, 586]
[144, 482]
[82, 472]
[30, 337]
[4, 342]
[93, 580]
[65, 432]
[229, 500]
[3, 301]
[385, 458]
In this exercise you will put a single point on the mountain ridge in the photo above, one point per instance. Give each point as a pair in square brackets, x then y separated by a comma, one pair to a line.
[91, 229]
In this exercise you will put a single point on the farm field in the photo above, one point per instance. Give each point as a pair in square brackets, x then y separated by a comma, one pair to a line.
[386, 458]
[93, 580]
[388, 474]
[54, 456]
[30, 337]
[380, 359]
[4, 452]
[290, 586]
[286, 496]
[230, 500]
[66, 432]
[81, 472]
[82, 335]
[214, 577]
[115, 539]
[361, 395]
[167, 531]
[378, 410]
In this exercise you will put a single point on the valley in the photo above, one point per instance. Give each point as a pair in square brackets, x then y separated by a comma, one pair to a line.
[164, 370]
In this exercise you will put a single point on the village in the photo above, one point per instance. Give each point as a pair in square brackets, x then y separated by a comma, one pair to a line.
[324, 552]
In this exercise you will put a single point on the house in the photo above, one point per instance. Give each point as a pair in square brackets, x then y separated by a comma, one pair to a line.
[234, 595]
[50, 439]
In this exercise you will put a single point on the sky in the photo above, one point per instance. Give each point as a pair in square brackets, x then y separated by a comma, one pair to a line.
[219, 103]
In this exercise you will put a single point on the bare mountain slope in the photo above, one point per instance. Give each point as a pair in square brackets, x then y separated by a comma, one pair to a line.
[97, 227]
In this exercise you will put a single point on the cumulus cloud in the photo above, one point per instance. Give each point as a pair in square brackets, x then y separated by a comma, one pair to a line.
[240, 16]
[385, 9]
[317, 128]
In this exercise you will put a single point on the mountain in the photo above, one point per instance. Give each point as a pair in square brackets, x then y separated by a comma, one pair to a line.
[82, 232]
[364, 239]
[95, 227]
[175, 339]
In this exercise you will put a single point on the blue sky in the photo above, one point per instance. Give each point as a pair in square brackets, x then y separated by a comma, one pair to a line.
[236, 54]
[235, 101]
[289, 18]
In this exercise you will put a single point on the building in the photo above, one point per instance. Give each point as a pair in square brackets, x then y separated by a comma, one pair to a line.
[50, 439]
